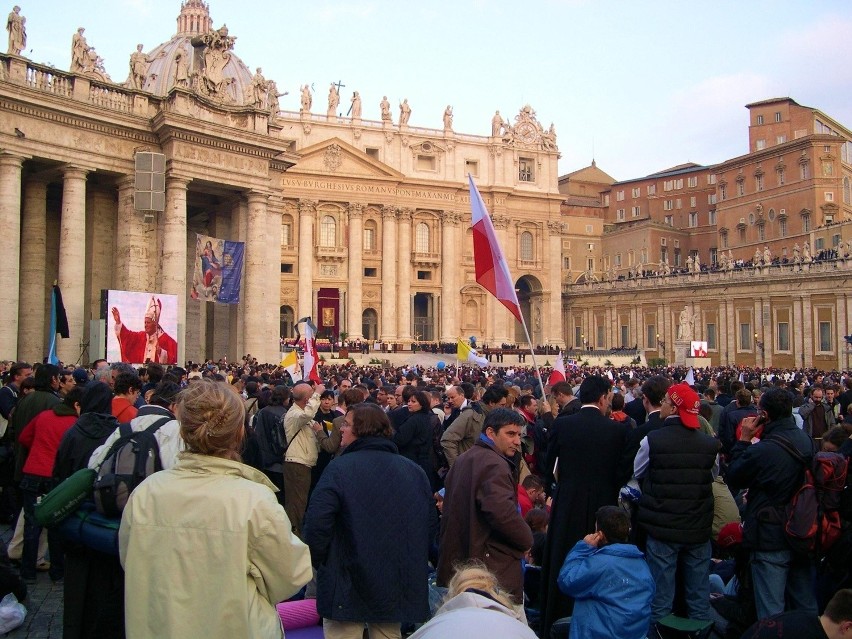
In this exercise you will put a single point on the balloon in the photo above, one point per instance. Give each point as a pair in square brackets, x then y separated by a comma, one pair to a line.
[441, 365]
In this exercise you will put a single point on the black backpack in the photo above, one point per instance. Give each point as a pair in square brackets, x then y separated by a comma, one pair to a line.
[133, 457]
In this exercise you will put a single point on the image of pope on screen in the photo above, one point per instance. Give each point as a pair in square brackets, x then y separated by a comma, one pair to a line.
[151, 344]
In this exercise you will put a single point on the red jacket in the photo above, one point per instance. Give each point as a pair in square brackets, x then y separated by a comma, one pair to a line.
[42, 436]
[123, 410]
[524, 501]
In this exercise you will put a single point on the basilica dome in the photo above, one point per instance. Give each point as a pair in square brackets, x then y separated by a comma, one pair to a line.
[178, 62]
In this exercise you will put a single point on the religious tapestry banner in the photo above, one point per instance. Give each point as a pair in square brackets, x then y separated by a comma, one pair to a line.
[218, 270]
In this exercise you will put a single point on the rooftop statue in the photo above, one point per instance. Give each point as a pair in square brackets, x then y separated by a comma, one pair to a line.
[16, 25]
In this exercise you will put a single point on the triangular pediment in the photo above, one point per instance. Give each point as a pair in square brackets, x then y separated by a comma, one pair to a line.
[336, 157]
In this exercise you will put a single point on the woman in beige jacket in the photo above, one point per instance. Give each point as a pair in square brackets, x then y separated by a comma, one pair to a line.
[206, 547]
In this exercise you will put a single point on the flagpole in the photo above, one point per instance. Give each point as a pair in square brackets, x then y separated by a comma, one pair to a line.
[532, 352]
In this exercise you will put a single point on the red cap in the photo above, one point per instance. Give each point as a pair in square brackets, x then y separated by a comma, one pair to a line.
[686, 403]
[730, 535]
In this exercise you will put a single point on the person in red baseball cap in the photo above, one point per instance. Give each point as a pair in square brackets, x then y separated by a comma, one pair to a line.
[676, 465]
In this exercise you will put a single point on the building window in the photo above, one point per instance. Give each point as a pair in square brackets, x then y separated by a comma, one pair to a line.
[651, 336]
[566, 263]
[328, 231]
[693, 201]
[724, 238]
[711, 337]
[424, 275]
[287, 268]
[758, 182]
[527, 246]
[711, 198]
[372, 152]
[426, 163]
[600, 336]
[421, 238]
[825, 337]
[286, 234]
[625, 335]
[806, 224]
[783, 336]
[369, 234]
[723, 192]
[741, 231]
[652, 189]
[761, 233]
[693, 181]
[619, 215]
[664, 254]
[669, 219]
[829, 196]
[618, 260]
[782, 227]
[526, 170]
[759, 119]
[714, 256]
[677, 257]
[668, 205]
[590, 264]
[635, 192]
[371, 271]
[778, 116]
[819, 244]
[804, 171]
[668, 185]
[619, 196]
[693, 219]
[781, 139]
[745, 336]
[740, 187]
[711, 216]
[760, 145]
[780, 175]
[578, 337]
[636, 211]
[835, 240]
[472, 167]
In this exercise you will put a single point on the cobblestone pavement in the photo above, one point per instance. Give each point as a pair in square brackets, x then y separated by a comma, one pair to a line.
[43, 603]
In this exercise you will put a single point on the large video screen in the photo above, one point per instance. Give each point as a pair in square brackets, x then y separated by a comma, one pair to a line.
[141, 327]
[698, 349]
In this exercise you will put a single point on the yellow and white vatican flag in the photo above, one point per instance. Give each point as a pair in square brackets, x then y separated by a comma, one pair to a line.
[467, 355]
[290, 363]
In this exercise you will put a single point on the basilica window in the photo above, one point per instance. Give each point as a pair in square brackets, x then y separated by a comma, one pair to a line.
[421, 238]
[287, 233]
[369, 234]
[328, 231]
[526, 170]
[527, 246]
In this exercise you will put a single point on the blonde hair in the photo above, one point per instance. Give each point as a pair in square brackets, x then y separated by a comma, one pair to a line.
[474, 575]
[211, 419]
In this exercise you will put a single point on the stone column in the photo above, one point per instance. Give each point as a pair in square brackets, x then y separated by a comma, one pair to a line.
[258, 341]
[451, 310]
[307, 213]
[354, 303]
[840, 330]
[132, 266]
[390, 299]
[797, 337]
[272, 309]
[31, 329]
[808, 330]
[72, 261]
[732, 328]
[404, 312]
[10, 250]
[555, 334]
[173, 279]
[100, 254]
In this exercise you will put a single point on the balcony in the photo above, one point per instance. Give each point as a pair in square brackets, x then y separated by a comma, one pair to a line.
[330, 253]
[425, 259]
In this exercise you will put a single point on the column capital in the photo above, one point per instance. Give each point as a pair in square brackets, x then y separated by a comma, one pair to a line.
[356, 210]
[177, 181]
[500, 221]
[71, 171]
[388, 211]
[307, 207]
[405, 214]
[257, 197]
[11, 159]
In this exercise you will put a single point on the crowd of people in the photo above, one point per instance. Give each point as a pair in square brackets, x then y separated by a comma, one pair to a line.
[436, 502]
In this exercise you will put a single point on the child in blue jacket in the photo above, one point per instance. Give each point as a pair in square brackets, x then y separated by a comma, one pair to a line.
[609, 581]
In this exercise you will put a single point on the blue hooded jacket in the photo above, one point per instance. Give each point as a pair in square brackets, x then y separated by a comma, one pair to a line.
[612, 587]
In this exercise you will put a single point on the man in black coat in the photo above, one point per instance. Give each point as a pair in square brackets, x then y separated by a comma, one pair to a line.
[653, 392]
[677, 465]
[772, 475]
[587, 446]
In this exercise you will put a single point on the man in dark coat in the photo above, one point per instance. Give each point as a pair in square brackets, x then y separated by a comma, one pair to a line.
[480, 513]
[653, 392]
[367, 526]
[677, 464]
[588, 447]
[782, 578]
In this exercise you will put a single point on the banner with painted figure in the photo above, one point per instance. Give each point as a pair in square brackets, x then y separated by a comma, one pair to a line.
[218, 270]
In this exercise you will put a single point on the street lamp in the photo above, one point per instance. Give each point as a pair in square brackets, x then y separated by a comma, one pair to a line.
[661, 345]
[758, 343]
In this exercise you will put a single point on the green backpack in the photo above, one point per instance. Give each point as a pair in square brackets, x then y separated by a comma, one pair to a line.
[66, 498]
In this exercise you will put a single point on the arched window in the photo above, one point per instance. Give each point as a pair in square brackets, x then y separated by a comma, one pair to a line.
[328, 231]
[527, 246]
[421, 238]
[286, 321]
[369, 235]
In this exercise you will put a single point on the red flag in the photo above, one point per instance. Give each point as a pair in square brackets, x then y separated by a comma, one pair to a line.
[558, 374]
[492, 272]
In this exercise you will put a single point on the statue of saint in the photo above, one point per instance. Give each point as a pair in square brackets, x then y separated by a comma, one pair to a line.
[684, 329]
[448, 118]
[767, 256]
[496, 125]
[307, 99]
[79, 52]
[181, 69]
[806, 253]
[273, 95]
[757, 257]
[404, 112]
[16, 26]
[259, 88]
[333, 100]
[139, 63]
[356, 105]
[548, 138]
[797, 258]
[384, 105]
